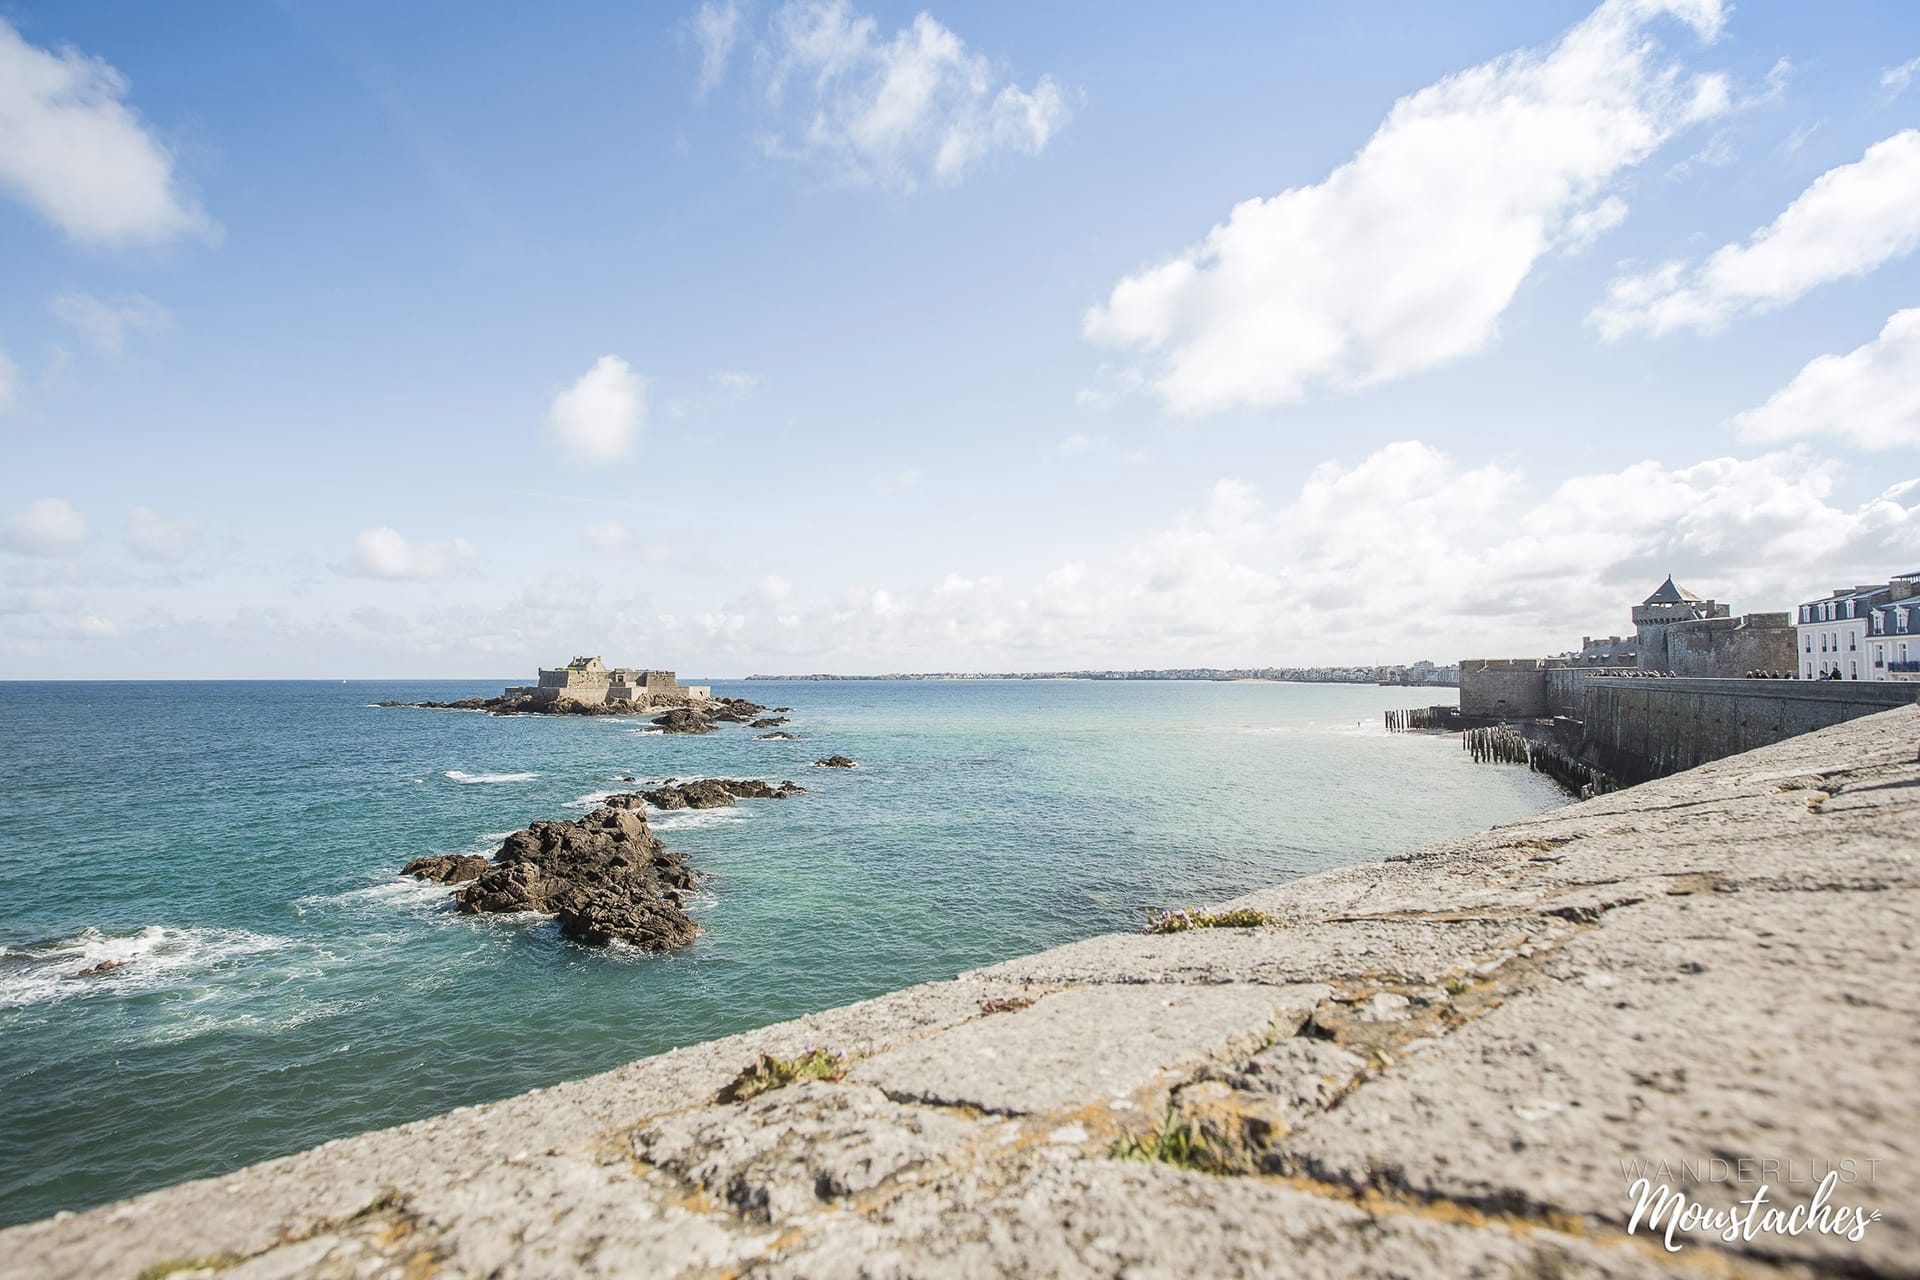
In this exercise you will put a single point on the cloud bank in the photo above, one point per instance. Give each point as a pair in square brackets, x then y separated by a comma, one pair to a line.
[1404, 258]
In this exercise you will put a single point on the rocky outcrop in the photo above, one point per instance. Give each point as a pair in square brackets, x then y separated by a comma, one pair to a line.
[768, 722]
[452, 868]
[834, 762]
[606, 877]
[683, 720]
[708, 793]
[777, 737]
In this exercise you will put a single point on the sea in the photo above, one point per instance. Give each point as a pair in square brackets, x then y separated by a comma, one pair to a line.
[239, 843]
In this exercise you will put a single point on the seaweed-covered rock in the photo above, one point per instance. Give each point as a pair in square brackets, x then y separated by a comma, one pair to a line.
[834, 762]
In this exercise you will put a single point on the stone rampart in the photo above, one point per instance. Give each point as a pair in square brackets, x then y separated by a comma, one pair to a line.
[1731, 647]
[1637, 729]
[1452, 1063]
[1514, 688]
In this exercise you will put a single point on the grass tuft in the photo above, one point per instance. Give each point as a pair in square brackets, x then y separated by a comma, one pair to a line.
[187, 1266]
[1172, 1143]
[1006, 1004]
[1181, 921]
[767, 1072]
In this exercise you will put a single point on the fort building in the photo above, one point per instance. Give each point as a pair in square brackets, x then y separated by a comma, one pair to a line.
[1677, 633]
[592, 682]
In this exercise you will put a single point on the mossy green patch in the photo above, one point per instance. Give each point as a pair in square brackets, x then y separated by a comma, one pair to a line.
[768, 1072]
[1181, 921]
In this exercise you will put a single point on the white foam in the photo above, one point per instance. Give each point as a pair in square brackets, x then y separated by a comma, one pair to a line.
[156, 956]
[468, 779]
[681, 819]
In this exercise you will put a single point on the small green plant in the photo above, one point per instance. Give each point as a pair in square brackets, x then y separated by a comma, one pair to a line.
[1458, 986]
[768, 1072]
[1181, 921]
[187, 1266]
[1172, 1143]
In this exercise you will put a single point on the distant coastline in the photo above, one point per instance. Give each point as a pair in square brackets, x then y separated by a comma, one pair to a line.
[1425, 675]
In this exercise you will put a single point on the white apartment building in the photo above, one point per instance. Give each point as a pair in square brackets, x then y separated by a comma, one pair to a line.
[1893, 636]
[1862, 632]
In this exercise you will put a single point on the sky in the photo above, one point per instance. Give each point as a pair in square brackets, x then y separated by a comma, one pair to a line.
[355, 340]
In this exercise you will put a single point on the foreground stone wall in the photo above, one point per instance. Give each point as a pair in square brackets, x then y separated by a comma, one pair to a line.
[1640, 729]
[1453, 1063]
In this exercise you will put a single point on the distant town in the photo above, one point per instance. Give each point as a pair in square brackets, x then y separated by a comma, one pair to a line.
[1414, 673]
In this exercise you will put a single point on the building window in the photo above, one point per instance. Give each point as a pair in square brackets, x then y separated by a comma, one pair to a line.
[1809, 642]
[1809, 671]
[1853, 671]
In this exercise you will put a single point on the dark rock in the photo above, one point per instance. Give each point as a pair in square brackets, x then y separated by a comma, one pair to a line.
[709, 793]
[768, 722]
[453, 868]
[683, 720]
[606, 877]
[704, 794]
[776, 737]
[754, 789]
[104, 967]
[833, 762]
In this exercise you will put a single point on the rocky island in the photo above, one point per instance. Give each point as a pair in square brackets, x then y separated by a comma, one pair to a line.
[588, 687]
[606, 877]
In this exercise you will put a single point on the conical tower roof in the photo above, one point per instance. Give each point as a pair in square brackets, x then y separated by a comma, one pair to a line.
[1670, 593]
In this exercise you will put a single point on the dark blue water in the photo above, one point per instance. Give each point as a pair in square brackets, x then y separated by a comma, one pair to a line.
[238, 842]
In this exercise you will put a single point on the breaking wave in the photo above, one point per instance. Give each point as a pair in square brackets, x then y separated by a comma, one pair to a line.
[156, 956]
[467, 779]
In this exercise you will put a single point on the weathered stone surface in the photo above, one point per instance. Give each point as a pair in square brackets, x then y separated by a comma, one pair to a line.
[1719, 965]
[1420, 950]
[1090, 1044]
[795, 1150]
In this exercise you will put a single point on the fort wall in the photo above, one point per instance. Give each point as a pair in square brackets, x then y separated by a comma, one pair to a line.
[1637, 729]
[1515, 688]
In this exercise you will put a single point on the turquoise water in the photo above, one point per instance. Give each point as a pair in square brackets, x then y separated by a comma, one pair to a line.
[239, 843]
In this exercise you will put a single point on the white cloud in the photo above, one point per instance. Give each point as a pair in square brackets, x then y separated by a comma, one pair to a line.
[599, 417]
[716, 26]
[1869, 397]
[737, 383]
[46, 527]
[896, 111]
[384, 553]
[1401, 554]
[1851, 220]
[1078, 443]
[72, 150]
[1896, 79]
[1405, 257]
[106, 322]
[900, 481]
[153, 537]
[609, 535]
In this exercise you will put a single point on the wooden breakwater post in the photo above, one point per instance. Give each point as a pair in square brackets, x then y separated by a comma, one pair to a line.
[1414, 719]
[1502, 744]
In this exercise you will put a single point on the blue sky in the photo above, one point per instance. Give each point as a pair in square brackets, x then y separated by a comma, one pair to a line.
[341, 340]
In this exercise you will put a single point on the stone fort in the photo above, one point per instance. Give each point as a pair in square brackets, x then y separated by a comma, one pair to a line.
[1676, 633]
[592, 682]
